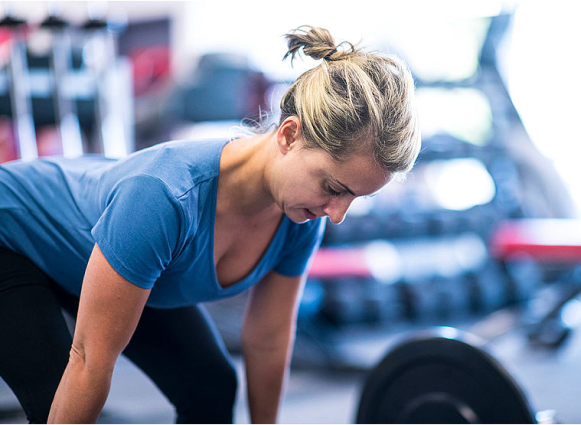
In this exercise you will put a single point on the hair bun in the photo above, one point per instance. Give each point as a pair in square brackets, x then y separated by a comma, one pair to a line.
[318, 43]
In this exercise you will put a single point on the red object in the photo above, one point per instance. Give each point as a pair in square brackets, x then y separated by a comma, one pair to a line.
[8, 148]
[545, 240]
[339, 262]
[5, 44]
[151, 68]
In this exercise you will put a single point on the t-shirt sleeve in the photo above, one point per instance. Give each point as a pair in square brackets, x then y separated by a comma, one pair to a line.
[139, 229]
[300, 250]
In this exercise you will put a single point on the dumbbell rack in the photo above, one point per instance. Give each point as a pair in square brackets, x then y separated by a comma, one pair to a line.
[79, 89]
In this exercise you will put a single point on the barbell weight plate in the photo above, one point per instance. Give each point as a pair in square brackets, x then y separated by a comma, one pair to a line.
[437, 376]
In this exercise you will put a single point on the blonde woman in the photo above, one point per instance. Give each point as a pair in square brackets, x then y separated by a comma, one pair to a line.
[132, 247]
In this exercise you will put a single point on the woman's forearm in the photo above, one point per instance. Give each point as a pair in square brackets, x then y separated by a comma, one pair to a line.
[81, 394]
[266, 371]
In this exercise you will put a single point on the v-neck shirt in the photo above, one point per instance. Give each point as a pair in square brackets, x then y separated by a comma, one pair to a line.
[152, 214]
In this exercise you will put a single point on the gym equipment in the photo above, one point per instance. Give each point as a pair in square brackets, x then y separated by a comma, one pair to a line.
[65, 109]
[19, 88]
[59, 100]
[112, 100]
[434, 278]
[223, 87]
[441, 376]
[487, 288]
[551, 247]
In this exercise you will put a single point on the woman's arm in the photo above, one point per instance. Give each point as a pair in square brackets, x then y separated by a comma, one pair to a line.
[267, 340]
[109, 309]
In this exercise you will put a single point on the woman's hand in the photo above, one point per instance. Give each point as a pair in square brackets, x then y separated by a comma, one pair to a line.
[109, 310]
[267, 340]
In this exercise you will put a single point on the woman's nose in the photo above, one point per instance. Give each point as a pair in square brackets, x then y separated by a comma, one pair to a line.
[336, 209]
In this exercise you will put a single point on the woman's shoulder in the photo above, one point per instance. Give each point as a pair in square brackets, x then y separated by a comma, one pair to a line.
[203, 156]
[181, 164]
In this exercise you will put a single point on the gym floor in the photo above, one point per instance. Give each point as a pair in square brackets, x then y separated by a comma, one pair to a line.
[549, 379]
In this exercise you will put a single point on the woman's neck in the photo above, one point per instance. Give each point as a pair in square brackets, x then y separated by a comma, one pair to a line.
[243, 186]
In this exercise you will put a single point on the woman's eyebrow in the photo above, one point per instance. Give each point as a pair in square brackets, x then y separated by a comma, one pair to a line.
[344, 186]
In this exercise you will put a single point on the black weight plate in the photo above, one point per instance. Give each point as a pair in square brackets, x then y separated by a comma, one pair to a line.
[436, 376]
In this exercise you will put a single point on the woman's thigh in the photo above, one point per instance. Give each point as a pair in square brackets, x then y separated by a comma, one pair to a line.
[182, 352]
[35, 340]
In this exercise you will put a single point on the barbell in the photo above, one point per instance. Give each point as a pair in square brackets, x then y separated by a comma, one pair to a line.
[442, 375]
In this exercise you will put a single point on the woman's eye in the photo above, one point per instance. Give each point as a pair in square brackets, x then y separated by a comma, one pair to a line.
[333, 192]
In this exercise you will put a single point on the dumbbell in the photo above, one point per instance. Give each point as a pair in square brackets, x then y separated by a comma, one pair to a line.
[110, 97]
[65, 107]
[442, 375]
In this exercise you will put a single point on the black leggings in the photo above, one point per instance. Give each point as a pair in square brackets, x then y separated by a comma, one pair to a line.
[179, 349]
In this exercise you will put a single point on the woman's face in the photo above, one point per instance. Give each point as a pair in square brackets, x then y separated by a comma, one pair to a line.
[313, 185]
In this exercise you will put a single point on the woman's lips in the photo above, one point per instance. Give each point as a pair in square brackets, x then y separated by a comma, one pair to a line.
[309, 214]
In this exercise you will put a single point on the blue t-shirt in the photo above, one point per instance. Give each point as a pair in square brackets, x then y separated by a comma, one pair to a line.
[152, 215]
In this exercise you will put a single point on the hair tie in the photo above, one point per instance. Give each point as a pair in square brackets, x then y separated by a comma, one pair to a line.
[328, 55]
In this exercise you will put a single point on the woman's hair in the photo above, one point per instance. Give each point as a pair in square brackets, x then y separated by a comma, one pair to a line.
[353, 102]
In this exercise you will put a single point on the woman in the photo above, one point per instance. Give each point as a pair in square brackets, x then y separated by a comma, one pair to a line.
[134, 245]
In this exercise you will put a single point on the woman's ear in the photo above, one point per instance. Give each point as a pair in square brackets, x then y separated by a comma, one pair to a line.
[288, 134]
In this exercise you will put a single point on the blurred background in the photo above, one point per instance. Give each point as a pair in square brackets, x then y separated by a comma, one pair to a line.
[499, 93]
